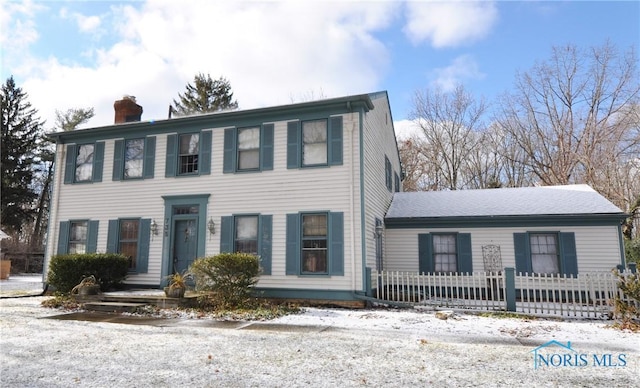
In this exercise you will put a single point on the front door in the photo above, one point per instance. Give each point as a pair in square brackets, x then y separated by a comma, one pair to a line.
[185, 242]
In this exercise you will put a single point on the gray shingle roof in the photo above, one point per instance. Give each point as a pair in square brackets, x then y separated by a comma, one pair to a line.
[525, 201]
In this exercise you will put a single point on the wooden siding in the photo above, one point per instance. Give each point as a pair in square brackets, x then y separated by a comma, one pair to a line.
[597, 247]
[275, 192]
[379, 141]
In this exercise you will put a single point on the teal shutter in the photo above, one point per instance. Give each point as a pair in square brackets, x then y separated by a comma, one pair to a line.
[63, 238]
[465, 260]
[172, 156]
[226, 234]
[230, 153]
[522, 255]
[142, 262]
[92, 237]
[118, 160]
[397, 180]
[149, 157]
[98, 162]
[425, 255]
[568, 255]
[335, 140]
[336, 241]
[70, 164]
[112, 236]
[266, 147]
[204, 164]
[266, 238]
[292, 265]
[293, 144]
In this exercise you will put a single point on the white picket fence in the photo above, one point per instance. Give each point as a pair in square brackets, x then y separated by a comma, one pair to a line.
[588, 295]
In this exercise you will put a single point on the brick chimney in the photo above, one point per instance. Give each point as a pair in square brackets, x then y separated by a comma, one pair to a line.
[127, 110]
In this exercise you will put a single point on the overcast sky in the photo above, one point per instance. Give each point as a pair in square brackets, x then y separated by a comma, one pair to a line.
[68, 54]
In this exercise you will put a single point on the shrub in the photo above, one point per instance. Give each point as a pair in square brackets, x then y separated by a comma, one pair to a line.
[626, 309]
[632, 250]
[230, 277]
[67, 271]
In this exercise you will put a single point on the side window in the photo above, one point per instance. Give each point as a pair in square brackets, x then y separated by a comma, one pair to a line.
[397, 183]
[83, 163]
[133, 158]
[314, 143]
[388, 174]
[188, 152]
[131, 237]
[315, 244]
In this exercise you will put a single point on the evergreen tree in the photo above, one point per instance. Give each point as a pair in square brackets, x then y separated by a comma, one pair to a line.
[21, 130]
[205, 96]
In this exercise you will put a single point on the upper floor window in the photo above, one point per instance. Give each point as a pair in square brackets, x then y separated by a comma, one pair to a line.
[388, 173]
[84, 163]
[314, 142]
[188, 153]
[249, 148]
[133, 158]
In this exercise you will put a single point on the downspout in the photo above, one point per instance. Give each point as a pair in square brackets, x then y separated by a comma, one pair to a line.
[352, 208]
[363, 225]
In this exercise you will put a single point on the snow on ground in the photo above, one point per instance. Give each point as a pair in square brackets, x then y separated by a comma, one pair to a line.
[318, 348]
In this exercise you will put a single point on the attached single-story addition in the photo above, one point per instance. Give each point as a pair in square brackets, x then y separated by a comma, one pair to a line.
[550, 230]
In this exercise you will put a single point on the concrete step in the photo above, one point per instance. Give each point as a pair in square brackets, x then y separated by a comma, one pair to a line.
[113, 307]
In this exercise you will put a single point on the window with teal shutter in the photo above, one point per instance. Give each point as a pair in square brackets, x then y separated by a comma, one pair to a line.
[188, 154]
[248, 149]
[78, 236]
[317, 142]
[445, 253]
[315, 244]
[249, 234]
[84, 163]
[131, 237]
[545, 253]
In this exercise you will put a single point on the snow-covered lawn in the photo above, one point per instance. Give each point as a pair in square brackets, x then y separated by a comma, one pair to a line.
[319, 348]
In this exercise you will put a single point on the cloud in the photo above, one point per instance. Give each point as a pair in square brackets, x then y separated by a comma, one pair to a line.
[268, 51]
[449, 24]
[18, 27]
[462, 68]
[407, 129]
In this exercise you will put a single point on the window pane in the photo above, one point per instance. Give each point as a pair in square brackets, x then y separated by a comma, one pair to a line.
[189, 144]
[314, 225]
[134, 154]
[129, 230]
[314, 243]
[128, 240]
[248, 138]
[84, 163]
[130, 250]
[314, 261]
[78, 237]
[248, 159]
[247, 234]
[544, 253]
[314, 142]
[444, 249]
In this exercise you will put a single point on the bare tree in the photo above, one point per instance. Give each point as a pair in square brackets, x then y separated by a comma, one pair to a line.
[415, 166]
[451, 124]
[571, 115]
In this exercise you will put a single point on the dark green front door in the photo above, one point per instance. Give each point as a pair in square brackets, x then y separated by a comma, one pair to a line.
[185, 242]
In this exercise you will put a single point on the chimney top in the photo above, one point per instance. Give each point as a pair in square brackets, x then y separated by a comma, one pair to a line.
[126, 110]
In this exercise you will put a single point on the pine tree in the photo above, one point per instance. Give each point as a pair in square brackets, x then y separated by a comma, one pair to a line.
[205, 96]
[21, 130]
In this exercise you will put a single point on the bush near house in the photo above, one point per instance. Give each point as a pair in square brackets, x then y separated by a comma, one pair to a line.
[229, 277]
[632, 250]
[626, 310]
[67, 271]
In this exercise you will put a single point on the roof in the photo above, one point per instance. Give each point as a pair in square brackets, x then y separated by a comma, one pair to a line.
[224, 118]
[569, 200]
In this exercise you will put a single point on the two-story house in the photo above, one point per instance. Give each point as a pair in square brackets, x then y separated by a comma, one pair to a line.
[305, 186]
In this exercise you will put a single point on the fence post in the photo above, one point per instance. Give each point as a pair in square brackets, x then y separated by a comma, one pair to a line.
[510, 288]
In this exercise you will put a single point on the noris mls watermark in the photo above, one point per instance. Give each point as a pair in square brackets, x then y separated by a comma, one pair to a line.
[554, 354]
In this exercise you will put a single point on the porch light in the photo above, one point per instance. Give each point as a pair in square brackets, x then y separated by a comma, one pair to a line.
[154, 227]
[211, 226]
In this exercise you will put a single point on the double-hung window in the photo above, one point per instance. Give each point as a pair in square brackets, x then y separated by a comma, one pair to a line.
[314, 243]
[546, 253]
[445, 257]
[131, 237]
[249, 148]
[84, 163]
[246, 234]
[188, 153]
[133, 158]
[314, 142]
[388, 173]
[78, 237]
[128, 236]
